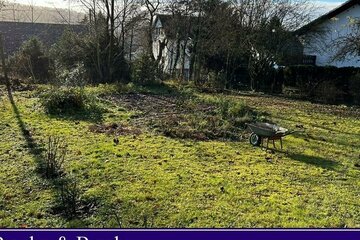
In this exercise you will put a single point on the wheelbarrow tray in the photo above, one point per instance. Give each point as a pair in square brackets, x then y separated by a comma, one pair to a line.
[267, 130]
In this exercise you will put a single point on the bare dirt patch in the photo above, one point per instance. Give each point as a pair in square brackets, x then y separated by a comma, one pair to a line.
[153, 108]
[114, 129]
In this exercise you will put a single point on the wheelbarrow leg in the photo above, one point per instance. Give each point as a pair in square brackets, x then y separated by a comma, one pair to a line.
[281, 143]
[267, 143]
[274, 143]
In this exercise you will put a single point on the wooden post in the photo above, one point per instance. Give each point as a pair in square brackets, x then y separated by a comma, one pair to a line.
[3, 62]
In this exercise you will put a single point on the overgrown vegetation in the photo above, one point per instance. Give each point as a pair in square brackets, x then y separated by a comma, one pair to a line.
[206, 119]
[213, 45]
[64, 100]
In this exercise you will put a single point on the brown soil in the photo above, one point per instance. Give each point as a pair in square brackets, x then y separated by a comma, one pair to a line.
[114, 129]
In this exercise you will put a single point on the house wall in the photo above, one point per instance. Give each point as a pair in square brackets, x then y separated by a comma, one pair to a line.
[169, 53]
[322, 45]
[158, 35]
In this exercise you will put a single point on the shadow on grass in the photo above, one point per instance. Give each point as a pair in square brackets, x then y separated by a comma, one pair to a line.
[31, 144]
[90, 114]
[156, 89]
[59, 185]
[315, 161]
[341, 137]
[160, 89]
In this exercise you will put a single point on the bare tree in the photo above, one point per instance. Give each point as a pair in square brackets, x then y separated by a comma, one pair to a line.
[268, 24]
[112, 22]
[33, 16]
[152, 7]
[347, 45]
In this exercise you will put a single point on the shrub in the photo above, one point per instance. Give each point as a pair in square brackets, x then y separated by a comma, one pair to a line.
[145, 71]
[231, 109]
[327, 84]
[31, 61]
[92, 52]
[328, 92]
[72, 103]
[216, 80]
[64, 100]
[68, 50]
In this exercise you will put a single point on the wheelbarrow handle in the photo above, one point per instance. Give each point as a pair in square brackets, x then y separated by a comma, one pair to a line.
[292, 132]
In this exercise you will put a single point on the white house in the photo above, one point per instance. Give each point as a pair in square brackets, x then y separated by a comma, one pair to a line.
[320, 37]
[173, 54]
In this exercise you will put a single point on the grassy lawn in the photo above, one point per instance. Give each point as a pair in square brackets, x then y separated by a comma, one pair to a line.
[152, 180]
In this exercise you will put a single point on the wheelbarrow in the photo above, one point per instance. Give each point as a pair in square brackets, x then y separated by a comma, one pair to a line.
[271, 132]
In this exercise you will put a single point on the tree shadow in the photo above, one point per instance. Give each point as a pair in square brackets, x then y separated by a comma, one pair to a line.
[315, 161]
[31, 144]
[308, 134]
[90, 114]
[66, 195]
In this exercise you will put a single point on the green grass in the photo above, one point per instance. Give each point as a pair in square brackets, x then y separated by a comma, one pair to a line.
[150, 180]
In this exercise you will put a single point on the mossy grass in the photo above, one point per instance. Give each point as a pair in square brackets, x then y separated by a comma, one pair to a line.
[150, 180]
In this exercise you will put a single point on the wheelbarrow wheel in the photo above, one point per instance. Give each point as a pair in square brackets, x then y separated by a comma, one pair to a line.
[255, 140]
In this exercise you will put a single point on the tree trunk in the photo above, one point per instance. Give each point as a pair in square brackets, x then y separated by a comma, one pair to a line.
[177, 56]
[162, 45]
[4, 67]
[111, 42]
[131, 44]
[150, 37]
[183, 60]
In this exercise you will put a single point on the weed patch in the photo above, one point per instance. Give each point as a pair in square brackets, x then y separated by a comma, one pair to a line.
[219, 119]
[52, 165]
[192, 118]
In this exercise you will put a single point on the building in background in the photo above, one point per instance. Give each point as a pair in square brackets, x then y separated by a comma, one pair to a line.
[322, 36]
[170, 49]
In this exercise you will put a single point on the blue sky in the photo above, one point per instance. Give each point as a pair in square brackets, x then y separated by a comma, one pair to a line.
[326, 5]
[330, 2]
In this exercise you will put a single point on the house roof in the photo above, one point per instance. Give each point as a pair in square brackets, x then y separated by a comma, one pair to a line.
[164, 19]
[345, 6]
[174, 23]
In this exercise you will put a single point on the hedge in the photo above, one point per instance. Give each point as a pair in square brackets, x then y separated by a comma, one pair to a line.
[324, 84]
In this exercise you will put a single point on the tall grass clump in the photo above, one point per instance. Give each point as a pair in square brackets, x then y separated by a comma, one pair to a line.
[54, 157]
